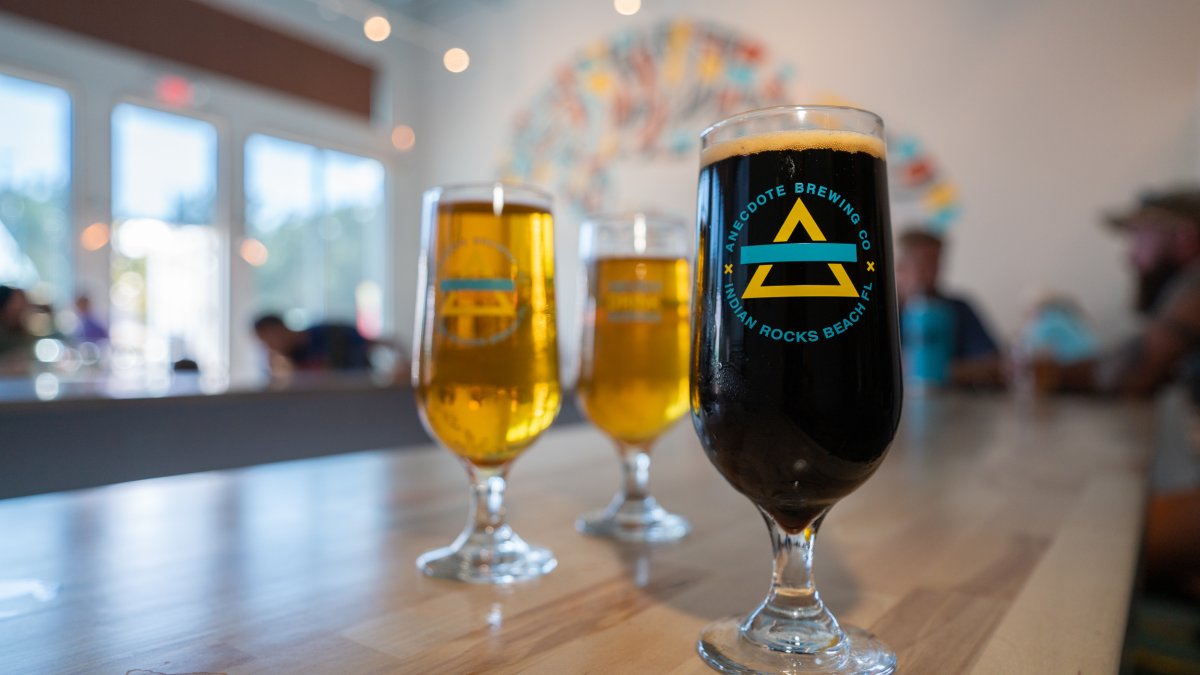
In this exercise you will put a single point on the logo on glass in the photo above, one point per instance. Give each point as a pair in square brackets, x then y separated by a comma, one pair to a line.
[800, 240]
[817, 250]
[478, 293]
[632, 301]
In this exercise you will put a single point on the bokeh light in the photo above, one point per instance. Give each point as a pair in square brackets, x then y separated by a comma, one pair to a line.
[368, 304]
[254, 252]
[627, 7]
[139, 237]
[46, 387]
[377, 28]
[48, 350]
[94, 237]
[456, 59]
[404, 138]
[175, 91]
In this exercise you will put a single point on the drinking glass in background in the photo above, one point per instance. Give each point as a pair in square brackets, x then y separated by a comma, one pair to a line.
[927, 325]
[1056, 336]
[485, 365]
[633, 372]
[796, 385]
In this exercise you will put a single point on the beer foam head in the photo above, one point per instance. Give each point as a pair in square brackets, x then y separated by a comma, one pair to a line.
[808, 139]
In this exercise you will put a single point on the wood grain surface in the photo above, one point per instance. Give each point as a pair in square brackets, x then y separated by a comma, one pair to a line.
[994, 539]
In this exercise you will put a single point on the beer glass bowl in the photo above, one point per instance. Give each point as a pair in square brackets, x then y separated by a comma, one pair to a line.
[485, 361]
[633, 366]
[796, 388]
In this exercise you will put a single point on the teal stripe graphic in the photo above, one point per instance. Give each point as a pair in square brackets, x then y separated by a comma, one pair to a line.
[477, 285]
[814, 252]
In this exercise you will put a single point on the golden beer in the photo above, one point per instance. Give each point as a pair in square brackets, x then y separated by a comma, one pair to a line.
[633, 381]
[633, 366]
[487, 372]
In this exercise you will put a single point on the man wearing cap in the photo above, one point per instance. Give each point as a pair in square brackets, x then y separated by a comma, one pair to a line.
[1164, 250]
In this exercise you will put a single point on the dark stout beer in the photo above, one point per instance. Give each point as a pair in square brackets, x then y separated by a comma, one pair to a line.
[796, 388]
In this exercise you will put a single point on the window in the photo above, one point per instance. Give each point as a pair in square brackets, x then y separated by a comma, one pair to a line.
[35, 185]
[316, 233]
[166, 295]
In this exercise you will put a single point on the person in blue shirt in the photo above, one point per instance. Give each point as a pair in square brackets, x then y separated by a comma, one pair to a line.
[90, 328]
[974, 354]
[322, 346]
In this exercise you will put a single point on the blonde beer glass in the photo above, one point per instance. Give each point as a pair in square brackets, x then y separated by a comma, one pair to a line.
[796, 388]
[633, 369]
[485, 365]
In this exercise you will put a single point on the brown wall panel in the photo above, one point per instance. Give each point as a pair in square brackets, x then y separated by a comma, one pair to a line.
[202, 36]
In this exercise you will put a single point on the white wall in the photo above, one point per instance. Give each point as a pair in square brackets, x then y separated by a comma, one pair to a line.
[1045, 114]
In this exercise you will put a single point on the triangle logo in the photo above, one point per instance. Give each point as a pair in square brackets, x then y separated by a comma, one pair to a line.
[818, 250]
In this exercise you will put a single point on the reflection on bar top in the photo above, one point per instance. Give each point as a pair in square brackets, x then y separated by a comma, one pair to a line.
[53, 387]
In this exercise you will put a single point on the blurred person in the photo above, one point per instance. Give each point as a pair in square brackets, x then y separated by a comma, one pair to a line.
[16, 342]
[1163, 234]
[946, 323]
[1163, 238]
[320, 347]
[14, 304]
[90, 328]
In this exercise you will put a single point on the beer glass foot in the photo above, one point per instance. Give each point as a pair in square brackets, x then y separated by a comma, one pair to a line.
[498, 562]
[654, 525]
[724, 647]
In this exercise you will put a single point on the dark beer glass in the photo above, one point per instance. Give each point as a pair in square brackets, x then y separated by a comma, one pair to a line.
[796, 387]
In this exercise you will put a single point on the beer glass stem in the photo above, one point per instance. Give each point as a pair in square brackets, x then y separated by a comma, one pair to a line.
[633, 504]
[487, 551]
[793, 618]
[634, 515]
[487, 504]
[635, 463]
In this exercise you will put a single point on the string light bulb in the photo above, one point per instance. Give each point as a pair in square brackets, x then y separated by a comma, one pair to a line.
[404, 138]
[94, 237]
[377, 28]
[254, 252]
[627, 7]
[456, 59]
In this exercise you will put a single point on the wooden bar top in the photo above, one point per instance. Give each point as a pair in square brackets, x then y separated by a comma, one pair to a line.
[994, 539]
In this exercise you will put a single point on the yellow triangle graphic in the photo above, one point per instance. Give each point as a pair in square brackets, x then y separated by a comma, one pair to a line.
[844, 288]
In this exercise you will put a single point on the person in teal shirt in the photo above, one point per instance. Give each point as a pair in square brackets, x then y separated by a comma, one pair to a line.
[974, 355]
